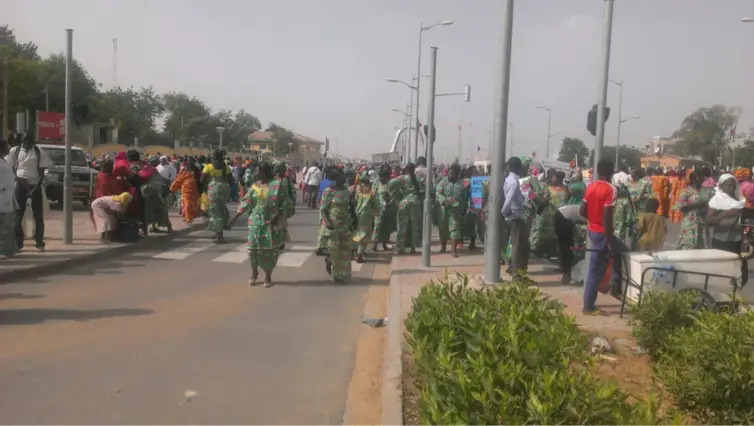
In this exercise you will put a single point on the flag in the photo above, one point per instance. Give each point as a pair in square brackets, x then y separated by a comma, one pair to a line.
[575, 162]
[733, 132]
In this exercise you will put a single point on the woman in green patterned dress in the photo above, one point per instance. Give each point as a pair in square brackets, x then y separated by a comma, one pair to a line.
[624, 215]
[473, 226]
[367, 210]
[336, 208]
[576, 188]
[692, 202]
[408, 190]
[543, 240]
[266, 205]
[452, 196]
[385, 224]
[280, 170]
[217, 177]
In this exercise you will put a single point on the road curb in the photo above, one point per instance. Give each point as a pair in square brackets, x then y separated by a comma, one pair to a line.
[61, 265]
[392, 378]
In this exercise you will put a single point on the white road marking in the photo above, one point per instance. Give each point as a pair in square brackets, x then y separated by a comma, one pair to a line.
[295, 256]
[239, 254]
[184, 251]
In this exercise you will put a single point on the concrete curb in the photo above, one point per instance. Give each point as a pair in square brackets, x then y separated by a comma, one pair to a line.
[392, 378]
[57, 266]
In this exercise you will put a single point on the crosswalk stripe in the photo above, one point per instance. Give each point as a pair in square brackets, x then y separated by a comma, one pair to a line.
[295, 256]
[184, 251]
[238, 255]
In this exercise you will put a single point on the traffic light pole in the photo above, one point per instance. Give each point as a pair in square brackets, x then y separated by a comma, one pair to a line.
[495, 221]
[427, 222]
[68, 177]
[605, 75]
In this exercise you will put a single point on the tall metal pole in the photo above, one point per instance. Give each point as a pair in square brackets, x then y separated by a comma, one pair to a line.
[620, 122]
[427, 222]
[606, 41]
[67, 177]
[495, 221]
[418, 84]
[410, 115]
[4, 126]
[549, 122]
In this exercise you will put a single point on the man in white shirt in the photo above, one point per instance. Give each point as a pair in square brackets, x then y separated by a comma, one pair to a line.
[313, 179]
[29, 164]
[166, 170]
[622, 177]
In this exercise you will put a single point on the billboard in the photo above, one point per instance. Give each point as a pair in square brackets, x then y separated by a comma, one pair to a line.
[477, 191]
[50, 125]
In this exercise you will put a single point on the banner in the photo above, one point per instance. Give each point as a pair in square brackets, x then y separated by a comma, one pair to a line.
[50, 125]
[476, 191]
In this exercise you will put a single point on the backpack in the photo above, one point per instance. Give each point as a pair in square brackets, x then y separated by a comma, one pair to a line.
[18, 151]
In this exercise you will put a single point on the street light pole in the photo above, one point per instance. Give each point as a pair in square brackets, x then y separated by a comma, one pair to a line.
[407, 138]
[422, 28]
[68, 174]
[602, 100]
[549, 123]
[620, 119]
[427, 222]
[495, 220]
[220, 130]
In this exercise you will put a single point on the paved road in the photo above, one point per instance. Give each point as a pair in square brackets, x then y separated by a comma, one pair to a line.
[176, 335]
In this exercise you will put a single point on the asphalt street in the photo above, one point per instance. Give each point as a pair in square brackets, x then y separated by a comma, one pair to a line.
[176, 335]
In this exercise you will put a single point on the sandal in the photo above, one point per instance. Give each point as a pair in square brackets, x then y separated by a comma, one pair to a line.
[268, 283]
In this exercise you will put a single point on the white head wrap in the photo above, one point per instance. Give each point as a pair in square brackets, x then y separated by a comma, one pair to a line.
[723, 201]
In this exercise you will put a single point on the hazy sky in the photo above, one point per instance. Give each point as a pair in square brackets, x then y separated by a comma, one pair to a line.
[319, 66]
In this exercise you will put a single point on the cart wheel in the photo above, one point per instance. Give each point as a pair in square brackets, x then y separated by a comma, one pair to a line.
[702, 300]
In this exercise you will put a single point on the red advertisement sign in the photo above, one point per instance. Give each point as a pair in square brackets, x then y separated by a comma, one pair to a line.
[50, 125]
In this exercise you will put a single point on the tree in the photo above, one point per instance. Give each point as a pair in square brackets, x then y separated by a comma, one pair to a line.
[285, 141]
[706, 132]
[629, 156]
[134, 112]
[571, 148]
[187, 117]
[242, 126]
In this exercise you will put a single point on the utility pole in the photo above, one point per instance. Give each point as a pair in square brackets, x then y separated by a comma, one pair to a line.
[605, 72]
[67, 177]
[427, 222]
[493, 241]
[460, 141]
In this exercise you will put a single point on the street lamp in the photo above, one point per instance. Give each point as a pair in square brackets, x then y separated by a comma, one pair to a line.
[422, 28]
[395, 80]
[620, 119]
[747, 20]
[549, 122]
[220, 130]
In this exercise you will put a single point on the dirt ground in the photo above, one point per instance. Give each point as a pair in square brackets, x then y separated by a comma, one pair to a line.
[410, 391]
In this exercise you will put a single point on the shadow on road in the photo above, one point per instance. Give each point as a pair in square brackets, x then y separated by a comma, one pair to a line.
[8, 296]
[37, 316]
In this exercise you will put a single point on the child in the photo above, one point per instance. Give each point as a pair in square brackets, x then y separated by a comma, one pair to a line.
[651, 227]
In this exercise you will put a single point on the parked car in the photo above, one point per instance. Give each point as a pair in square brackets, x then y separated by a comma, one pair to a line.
[83, 175]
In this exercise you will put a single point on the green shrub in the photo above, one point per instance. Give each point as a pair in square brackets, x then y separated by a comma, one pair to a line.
[709, 368]
[659, 315]
[507, 356]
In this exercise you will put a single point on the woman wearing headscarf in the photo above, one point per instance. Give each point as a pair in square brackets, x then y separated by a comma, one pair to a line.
[385, 224]
[452, 198]
[336, 212]
[576, 188]
[216, 177]
[367, 210]
[638, 188]
[408, 190]
[543, 240]
[8, 244]
[624, 214]
[153, 189]
[473, 225]
[105, 211]
[722, 213]
[661, 191]
[265, 203]
[187, 182]
[692, 203]
[280, 170]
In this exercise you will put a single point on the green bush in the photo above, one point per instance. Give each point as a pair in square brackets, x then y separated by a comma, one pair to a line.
[659, 315]
[507, 356]
[709, 368]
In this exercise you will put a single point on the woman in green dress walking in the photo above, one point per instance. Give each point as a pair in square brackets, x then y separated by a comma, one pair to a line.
[452, 197]
[385, 224]
[336, 209]
[280, 169]
[367, 210]
[266, 205]
[408, 190]
[692, 202]
[217, 177]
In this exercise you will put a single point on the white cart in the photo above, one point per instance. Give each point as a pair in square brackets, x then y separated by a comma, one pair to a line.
[713, 274]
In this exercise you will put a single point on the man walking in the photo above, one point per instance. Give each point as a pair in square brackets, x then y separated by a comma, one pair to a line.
[29, 163]
[597, 208]
[313, 179]
[513, 213]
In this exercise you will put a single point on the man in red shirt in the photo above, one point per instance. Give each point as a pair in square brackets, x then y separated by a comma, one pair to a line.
[599, 202]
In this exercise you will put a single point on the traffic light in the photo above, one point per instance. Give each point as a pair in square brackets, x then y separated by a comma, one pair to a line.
[467, 93]
[591, 119]
[426, 133]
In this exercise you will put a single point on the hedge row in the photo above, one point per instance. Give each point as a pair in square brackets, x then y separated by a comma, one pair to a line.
[507, 356]
[704, 359]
